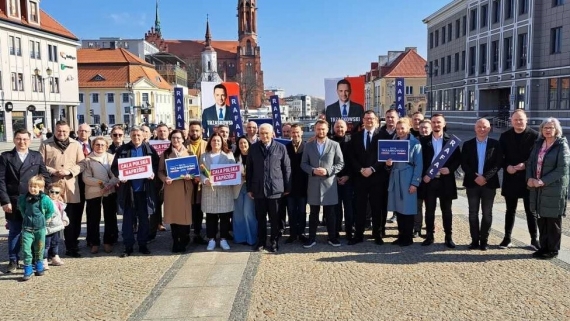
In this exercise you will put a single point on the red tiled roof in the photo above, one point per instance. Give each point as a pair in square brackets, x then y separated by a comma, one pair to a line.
[47, 24]
[107, 55]
[193, 92]
[408, 65]
[190, 48]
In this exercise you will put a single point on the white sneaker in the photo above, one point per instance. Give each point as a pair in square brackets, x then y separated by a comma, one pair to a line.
[224, 245]
[56, 261]
[211, 245]
[46, 266]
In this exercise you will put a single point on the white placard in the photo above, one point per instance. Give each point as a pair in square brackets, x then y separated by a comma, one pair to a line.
[225, 174]
[135, 168]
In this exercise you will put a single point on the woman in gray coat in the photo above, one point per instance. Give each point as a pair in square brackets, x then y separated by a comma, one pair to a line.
[547, 179]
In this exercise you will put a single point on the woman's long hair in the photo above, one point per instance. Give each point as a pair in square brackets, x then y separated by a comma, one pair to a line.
[237, 153]
[169, 149]
[224, 148]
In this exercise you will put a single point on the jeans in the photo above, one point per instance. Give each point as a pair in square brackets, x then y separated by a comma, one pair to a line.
[14, 239]
[297, 208]
[344, 206]
[52, 245]
[244, 221]
[140, 212]
[485, 197]
[510, 213]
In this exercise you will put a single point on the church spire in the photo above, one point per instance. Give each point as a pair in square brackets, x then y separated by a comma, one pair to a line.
[157, 21]
[208, 35]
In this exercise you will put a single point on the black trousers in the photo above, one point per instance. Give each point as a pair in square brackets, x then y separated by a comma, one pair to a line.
[419, 218]
[212, 225]
[180, 236]
[72, 231]
[433, 190]
[263, 207]
[405, 227]
[283, 212]
[483, 197]
[550, 229]
[111, 234]
[329, 213]
[365, 194]
[197, 218]
[156, 218]
[383, 206]
[510, 214]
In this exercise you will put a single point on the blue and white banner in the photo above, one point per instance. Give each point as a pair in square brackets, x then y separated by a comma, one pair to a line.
[179, 107]
[394, 149]
[443, 156]
[276, 115]
[401, 97]
[236, 116]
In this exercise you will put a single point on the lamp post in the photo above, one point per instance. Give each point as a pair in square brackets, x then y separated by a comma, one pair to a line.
[37, 72]
[129, 88]
[429, 72]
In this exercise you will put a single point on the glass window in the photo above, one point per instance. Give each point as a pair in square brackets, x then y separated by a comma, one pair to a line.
[456, 61]
[125, 97]
[484, 15]
[495, 55]
[555, 40]
[110, 98]
[81, 118]
[20, 82]
[459, 101]
[80, 97]
[564, 93]
[508, 52]
[509, 5]
[32, 49]
[12, 43]
[523, 7]
[521, 97]
[553, 93]
[472, 62]
[449, 32]
[443, 35]
[436, 37]
[457, 28]
[483, 58]
[522, 49]
[34, 12]
[111, 119]
[14, 82]
[95, 98]
[473, 20]
[471, 105]
[496, 11]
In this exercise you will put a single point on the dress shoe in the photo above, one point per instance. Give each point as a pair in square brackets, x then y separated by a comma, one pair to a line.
[161, 228]
[274, 247]
[537, 254]
[474, 245]
[449, 242]
[428, 241]
[379, 241]
[534, 244]
[257, 248]
[144, 250]
[198, 239]
[303, 238]
[549, 255]
[505, 243]
[396, 242]
[94, 249]
[108, 248]
[127, 252]
[74, 254]
[290, 239]
[355, 240]
[484, 246]
[406, 243]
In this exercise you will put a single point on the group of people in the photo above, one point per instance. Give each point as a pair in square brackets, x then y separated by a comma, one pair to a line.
[335, 170]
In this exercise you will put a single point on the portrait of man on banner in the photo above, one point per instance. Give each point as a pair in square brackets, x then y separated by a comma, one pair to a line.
[215, 106]
[344, 99]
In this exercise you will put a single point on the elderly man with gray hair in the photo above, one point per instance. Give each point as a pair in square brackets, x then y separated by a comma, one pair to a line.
[268, 178]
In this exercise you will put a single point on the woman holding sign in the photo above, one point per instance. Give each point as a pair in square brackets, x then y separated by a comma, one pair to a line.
[244, 220]
[178, 193]
[405, 177]
[218, 200]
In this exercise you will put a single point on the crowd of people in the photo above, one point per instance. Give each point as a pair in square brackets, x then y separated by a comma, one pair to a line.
[336, 171]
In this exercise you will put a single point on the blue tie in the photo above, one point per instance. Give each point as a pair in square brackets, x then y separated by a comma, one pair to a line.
[344, 113]
[221, 116]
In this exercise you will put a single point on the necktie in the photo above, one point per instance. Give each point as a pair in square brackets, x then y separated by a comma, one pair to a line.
[344, 113]
[85, 150]
[368, 140]
[221, 115]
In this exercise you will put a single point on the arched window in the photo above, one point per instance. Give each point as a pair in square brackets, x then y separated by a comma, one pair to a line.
[248, 48]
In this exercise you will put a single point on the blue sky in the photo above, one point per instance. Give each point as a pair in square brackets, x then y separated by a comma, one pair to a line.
[302, 41]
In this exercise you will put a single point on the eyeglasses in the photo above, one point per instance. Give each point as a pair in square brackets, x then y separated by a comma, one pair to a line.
[548, 128]
[175, 137]
[102, 145]
[82, 131]
[54, 192]
[117, 135]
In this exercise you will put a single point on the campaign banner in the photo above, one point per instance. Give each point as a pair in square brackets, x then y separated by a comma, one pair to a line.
[225, 174]
[159, 145]
[178, 168]
[443, 156]
[179, 107]
[401, 97]
[135, 168]
[396, 150]
[283, 141]
[344, 99]
[276, 115]
[216, 108]
[236, 115]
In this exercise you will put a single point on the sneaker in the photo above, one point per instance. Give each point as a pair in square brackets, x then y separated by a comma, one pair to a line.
[505, 244]
[534, 244]
[224, 245]
[211, 245]
[28, 272]
[392, 219]
[46, 266]
[12, 266]
[309, 244]
[56, 261]
[334, 242]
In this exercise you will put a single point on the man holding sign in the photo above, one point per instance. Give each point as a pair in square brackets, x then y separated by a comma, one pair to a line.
[136, 193]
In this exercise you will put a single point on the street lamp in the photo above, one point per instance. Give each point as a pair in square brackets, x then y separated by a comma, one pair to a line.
[37, 72]
[429, 72]
[129, 88]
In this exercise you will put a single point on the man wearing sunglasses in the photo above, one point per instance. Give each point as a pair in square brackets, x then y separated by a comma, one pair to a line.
[117, 135]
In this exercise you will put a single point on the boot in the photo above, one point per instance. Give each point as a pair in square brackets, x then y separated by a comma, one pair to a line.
[449, 241]
[28, 271]
[40, 268]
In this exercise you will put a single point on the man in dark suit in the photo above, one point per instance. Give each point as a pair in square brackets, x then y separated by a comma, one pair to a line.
[344, 108]
[517, 144]
[345, 186]
[268, 178]
[297, 199]
[218, 113]
[16, 168]
[481, 159]
[363, 160]
[443, 185]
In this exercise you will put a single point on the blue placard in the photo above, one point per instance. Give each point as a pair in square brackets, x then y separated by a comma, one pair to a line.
[443, 156]
[283, 141]
[394, 149]
[179, 107]
[177, 168]
[276, 115]
[236, 116]
[400, 97]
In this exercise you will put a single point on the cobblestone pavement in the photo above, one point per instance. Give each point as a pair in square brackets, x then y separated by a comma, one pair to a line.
[371, 282]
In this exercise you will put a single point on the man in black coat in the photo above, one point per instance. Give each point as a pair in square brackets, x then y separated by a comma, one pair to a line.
[268, 178]
[443, 185]
[297, 199]
[517, 144]
[16, 168]
[345, 187]
[481, 159]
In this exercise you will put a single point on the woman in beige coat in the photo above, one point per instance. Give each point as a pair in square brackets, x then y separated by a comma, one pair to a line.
[100, 189]
[178, 195]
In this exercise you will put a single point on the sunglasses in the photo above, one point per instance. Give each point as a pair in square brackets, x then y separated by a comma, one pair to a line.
[54, 192]
[117, 135]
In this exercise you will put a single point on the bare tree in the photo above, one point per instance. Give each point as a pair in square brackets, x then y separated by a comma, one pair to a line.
[249, 88]
[194, 71]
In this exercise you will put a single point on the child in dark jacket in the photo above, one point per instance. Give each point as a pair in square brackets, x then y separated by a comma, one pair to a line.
[36, 207]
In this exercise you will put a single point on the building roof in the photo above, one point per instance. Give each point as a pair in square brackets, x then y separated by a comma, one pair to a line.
[47, 24]
[408, 65]
[112, 68]
[189, 48]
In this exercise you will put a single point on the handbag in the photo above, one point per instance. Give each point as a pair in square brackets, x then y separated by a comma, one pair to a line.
[54, 224]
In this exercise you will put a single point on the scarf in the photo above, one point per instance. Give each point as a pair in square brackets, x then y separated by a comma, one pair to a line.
[195, 147]
[33, 198]
[61, 144]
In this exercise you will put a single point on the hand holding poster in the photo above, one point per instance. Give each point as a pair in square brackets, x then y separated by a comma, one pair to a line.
[180, 167]
[396, 150]
[135, 168]
[443, 156]
[225, 174]
[159, 145]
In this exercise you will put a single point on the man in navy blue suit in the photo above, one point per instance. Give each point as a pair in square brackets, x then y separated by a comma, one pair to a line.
[217, 114]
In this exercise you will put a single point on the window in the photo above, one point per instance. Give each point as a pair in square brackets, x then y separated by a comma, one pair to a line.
[449, 32]
[35, 82]
[126, 119]
[81, 119]
[522, 49]
[97, 119]
[38, 52]
[409, 90]
[464, 25]
[32, 49]
[430, 40]
[436, 38]
[18, 46]
[473, 20]
[13, 9]
[110, 98]
[81, 98]
[483, 58]
[523, 7]
[484, 15]
[95, 98]
[508, 53]
[459, 101]
[495, 56]
[20, 82]
[52, 53]
[12, 43]
[496, 14]
[471, 105]
[111, 119]
[443, 35]
[442, 65]
[564, 93]
[54, 85]
[145, 97]
[435, 68]
[34, 12]
[463, 60]
[14, 82]
[125, 97]
[555, 40]
[509, 5]
[521, 97]
[457, 28]
[472, 53]
[556, 3]
[456, 62]
[553, 93]
[423, 90]
[448, 68]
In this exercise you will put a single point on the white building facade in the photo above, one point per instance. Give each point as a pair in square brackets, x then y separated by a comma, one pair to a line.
[139, 47]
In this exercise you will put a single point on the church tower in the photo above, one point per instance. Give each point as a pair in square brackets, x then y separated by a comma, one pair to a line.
[209, 58]
[250, 75]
